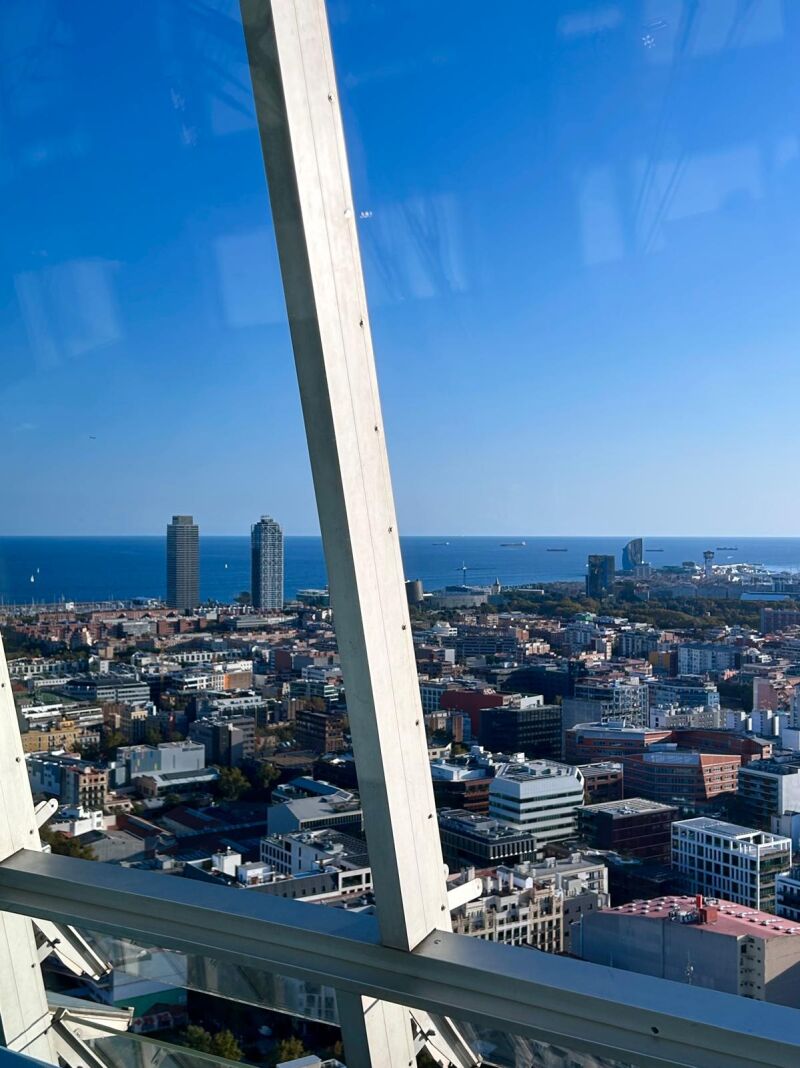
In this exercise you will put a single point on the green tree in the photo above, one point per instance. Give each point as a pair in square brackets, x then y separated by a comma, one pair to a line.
[224, 1044]
[262, 776]
[111, 742]
[196, 1037]
[288, 1049]
[232, 783]
[64, 846]
[154, 735]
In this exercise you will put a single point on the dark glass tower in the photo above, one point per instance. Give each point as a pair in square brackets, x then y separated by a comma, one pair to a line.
[633, 554]
[600, 575]
[183, 563]
[266, 555]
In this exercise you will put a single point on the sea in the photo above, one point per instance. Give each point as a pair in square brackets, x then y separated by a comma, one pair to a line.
[46, 570]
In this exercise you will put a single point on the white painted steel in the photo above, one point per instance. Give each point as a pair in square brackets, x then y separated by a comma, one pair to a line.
[23, 1006]
[302, 139]
[374, 1032]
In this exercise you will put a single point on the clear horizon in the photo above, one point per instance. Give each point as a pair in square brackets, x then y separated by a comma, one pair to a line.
[431, 534]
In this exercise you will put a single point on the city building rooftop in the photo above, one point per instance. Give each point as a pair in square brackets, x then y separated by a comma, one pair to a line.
[731, 919]
[535, 769]
[630, 807]
[476, 824]
[727, 830]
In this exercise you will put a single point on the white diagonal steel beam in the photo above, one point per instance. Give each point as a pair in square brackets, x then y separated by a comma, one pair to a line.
[302, 138]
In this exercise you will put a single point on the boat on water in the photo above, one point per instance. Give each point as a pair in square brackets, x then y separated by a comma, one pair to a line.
[654, 550]
[513, 544]
[440, 543]
[727, 548]
[556, 550]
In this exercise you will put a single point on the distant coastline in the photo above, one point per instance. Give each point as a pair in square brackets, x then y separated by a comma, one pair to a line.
[85, 568]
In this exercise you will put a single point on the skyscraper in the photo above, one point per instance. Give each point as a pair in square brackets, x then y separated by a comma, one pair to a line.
[183, 571]
[632, 554]
[266, 554]
[600, 575]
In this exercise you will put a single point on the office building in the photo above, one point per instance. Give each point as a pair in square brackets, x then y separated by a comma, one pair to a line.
[107, 688]
[600, 575]
[605, 701]
[469, 838]
[602, 782]
[717, 945]
[787, 895]
[321, 732]
[162, 783]
[593, 742]
[684, 691]
[533, 729]
[336, 808]
[633, 554]
[183, 563]
[463, 781]
[227, 741]
[725, 860]
[769, 788]
[266, 561]
[678, 777]
[415, 593]
[537, 796]
[636, 828]
[132, 761]
[295, 852]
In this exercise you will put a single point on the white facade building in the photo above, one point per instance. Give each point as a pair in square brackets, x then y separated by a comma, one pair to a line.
[725, 860]
[537, 796]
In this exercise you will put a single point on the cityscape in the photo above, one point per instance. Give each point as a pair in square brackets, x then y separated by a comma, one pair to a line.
[616, 762]
[399, 564]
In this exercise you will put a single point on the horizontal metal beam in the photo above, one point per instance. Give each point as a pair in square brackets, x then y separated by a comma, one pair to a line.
[573, 1004]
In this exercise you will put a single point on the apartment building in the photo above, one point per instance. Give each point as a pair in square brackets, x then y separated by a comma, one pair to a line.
[705, 658]
[517, 915]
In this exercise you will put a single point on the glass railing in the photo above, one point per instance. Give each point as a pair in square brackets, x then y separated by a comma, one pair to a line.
[141, 973]
[147, 975]
[129, 1050]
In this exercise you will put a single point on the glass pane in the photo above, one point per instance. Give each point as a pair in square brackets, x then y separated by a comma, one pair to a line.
[147, 976]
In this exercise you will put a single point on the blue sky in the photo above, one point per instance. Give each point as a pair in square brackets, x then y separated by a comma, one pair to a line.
[582, 248]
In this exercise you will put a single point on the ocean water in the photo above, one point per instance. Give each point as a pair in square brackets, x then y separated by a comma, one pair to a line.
[85, 569]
